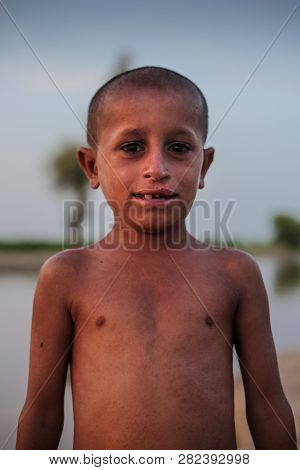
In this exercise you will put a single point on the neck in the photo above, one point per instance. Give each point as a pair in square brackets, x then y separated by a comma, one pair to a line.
[129, 238]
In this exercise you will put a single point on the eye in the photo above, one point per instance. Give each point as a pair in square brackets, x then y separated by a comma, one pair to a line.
[179, 147]
[131, 147]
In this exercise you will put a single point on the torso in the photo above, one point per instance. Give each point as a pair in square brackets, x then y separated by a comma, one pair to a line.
[152, 355]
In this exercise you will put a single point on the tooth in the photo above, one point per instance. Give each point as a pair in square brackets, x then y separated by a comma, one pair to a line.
[148, 196]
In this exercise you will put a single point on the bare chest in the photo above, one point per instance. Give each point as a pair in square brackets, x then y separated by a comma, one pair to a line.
[152, 352]
[155, 306]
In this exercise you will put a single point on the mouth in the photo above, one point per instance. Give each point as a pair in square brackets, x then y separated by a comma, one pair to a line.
[150, 197]
[153, 200]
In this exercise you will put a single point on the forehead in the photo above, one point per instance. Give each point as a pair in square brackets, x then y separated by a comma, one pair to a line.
[152, 109]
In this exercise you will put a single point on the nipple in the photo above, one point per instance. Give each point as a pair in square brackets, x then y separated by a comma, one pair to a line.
[209, 321]
[100, 321]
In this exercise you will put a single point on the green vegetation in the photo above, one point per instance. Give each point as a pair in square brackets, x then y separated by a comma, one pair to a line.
[27, 246]
[32, 245]
[287, 230]
[287, 276]
[69, 175]
[66, 170]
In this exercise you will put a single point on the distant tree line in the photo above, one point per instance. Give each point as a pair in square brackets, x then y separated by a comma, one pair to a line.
[287, 230]
[65, 168]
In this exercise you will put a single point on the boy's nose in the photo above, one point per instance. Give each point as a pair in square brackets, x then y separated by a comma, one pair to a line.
[156, 166]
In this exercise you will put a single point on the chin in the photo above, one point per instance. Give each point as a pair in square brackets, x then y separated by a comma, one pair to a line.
[153, 226]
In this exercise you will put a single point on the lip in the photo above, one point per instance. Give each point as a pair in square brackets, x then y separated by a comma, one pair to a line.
[162, 191]
[154, 202]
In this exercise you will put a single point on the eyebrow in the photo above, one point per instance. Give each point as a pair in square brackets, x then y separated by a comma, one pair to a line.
[132, 131]
[138, 132]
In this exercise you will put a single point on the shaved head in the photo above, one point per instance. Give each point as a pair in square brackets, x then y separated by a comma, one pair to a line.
[150, 77]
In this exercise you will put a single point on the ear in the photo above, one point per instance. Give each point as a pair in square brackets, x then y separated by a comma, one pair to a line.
[87, 160]
[208, 157]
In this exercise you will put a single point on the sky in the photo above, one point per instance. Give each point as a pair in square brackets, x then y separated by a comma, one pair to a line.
[217, 44]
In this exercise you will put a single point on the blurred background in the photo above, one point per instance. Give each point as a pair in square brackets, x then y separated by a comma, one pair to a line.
[244, 55]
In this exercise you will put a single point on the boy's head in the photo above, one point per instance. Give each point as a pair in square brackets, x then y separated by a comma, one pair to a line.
[146, 130]
[143, 78]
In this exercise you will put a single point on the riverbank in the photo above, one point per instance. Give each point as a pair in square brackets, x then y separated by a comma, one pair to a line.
[289, 366]
[23, 261]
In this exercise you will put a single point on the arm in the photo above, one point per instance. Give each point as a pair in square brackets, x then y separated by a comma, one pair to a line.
[41, 420]
[269, 415]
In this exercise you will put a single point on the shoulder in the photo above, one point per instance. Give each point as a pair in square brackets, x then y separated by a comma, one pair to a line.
[229, 259]
[243, 275]
[237, 259]
[239, 265]
[232, 258]
[62, 269]
[73, 264]
[60, 275]
[62, 263]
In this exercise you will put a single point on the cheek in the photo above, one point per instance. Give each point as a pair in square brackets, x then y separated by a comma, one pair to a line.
[108, 175]
[115, 186]
[189, 179]
[118, 171]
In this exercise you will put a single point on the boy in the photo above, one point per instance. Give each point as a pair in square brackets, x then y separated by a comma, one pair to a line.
[147, 317]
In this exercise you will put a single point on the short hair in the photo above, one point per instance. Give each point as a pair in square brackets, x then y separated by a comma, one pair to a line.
[153, 77]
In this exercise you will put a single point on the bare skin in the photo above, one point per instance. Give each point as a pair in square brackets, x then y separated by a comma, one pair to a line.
[149, 334]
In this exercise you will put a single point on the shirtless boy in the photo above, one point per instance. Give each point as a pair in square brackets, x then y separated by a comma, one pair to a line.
[147, 317]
